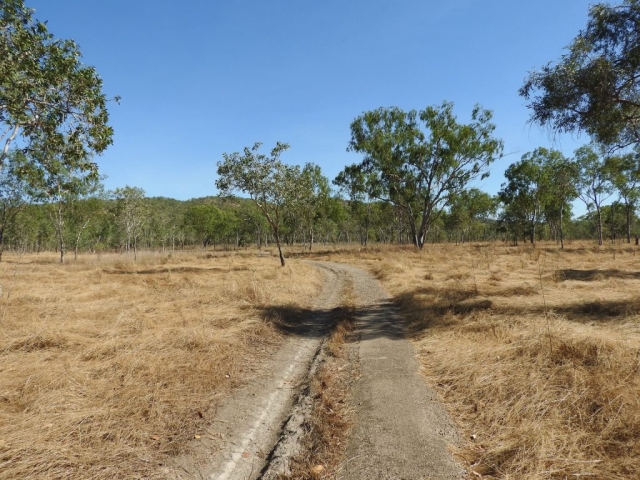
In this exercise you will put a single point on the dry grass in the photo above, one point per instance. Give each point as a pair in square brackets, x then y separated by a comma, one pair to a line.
[109, 367]
[535, 351]
[331, 418]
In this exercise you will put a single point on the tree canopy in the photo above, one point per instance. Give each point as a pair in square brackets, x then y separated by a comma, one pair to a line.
[594, 88]
[419, 160]
[49, 100]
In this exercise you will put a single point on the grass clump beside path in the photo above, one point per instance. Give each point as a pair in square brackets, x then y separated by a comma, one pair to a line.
[535, 351]
[108, 367]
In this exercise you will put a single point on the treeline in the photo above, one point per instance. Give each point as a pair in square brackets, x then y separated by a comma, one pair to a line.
[125, 220]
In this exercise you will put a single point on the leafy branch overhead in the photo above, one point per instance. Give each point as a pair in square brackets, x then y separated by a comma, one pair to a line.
[49, 100]
[594, 88]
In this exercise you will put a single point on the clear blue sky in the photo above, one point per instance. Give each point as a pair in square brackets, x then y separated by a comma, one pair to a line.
[202, 77]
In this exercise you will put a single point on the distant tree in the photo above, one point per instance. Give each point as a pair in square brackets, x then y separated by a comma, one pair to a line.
[625, 177]
[613, 220]
[562, 176]
[54, 180]
[312, 201]
[131, 212]
[595, 86]
[271, 184]
[14, 193]
[204, 219]
[48, 98]
[419, 160]
[527, 189]
[82, 211]
[594, 181]
[361, 188]
[469, 207]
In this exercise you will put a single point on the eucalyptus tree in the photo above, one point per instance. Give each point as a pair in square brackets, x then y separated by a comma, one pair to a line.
[14, 193]
[272, 185]
[613, 220]
[420, 160]
[595, 87]
[47, 96]
[131, 213]
[204, 220]
[562, 177]
[361, 188]
[313, 201]
[58, 182]
[594, 181]
[83, 211]
[527, 188]
[625, 178]
[469, 207]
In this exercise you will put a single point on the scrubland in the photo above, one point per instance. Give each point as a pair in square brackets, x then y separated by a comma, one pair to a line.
[535, 351]
[108, 367]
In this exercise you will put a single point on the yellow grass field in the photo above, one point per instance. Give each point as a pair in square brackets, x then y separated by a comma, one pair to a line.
[535, 351]
[108, 367]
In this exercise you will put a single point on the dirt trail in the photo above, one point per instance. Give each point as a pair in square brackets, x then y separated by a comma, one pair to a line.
[401, 431]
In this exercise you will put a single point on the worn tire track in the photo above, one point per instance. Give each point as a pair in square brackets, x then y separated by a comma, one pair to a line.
[249, 423]
[401, 430]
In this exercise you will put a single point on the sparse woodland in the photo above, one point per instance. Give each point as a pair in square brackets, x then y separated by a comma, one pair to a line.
[125, 319]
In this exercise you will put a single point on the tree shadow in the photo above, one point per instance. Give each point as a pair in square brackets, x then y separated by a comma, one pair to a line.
[592, 275]
[600, 310]
[302, 322]
[373, 321]
[410, 314]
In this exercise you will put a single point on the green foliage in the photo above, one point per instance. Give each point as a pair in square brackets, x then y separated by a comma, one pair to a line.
[624, 172]
[49, 100]
[594, 87]
[209, 222]
[271, 184]
[470, 210]
[420, 160]
[594, 180]
[131, 211]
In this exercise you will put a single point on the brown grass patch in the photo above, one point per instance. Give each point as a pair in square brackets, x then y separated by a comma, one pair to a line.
[327, 430]
[540, 367]
[108, 367]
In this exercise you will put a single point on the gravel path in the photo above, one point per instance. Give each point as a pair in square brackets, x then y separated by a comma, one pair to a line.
[401, 431]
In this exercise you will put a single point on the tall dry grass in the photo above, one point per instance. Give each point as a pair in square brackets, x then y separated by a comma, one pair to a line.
[535, 351]
[108, 367]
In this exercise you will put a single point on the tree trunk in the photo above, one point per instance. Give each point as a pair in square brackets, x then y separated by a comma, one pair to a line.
[275, 232]
[561, 227]
[628, 209]
[599, 224]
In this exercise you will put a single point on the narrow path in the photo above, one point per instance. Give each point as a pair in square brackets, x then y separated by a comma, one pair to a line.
[401, 430]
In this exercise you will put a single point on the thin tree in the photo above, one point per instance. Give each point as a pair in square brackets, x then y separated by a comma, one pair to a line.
[272, 185]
